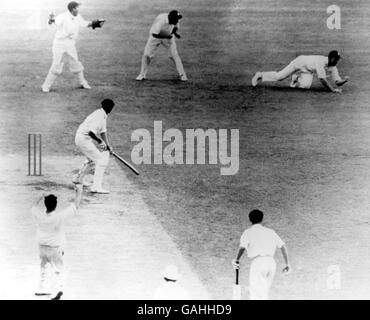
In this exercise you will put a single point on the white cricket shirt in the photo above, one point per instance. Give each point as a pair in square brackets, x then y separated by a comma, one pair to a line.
[50, 226]
[68, 26]
[161, 24]
[260, 241]
[318, 64]
[95, 122]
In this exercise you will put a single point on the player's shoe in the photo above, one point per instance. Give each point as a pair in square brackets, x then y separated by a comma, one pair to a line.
[85, 86]
[257, 77]
[140, 77]
[57, 296]
[45, 89]
[294, 81]
[183, 77]
[98, 190]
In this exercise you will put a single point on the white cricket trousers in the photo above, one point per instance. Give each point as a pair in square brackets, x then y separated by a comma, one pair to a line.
[64, 50]
[54, 256]
[152, 46]
[261, 274]
[94, 156]
[268, 76]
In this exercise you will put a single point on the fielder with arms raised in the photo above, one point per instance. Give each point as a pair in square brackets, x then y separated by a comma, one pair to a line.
[64, 45]
[95, 125]
[162, 32]
[302, 70]
[260, 243]
[51, 237]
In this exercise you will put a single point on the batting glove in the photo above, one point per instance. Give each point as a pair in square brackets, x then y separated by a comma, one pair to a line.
[235, 263]
[287, 269]
[102, 146]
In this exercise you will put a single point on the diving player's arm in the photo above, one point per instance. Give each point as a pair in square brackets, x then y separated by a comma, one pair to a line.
[342, 81]
[329, 86]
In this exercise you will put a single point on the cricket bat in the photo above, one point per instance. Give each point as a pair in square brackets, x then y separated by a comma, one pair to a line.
[237, 289]
[125, 163]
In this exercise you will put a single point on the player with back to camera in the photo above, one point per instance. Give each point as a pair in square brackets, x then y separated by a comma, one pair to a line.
[260, 243]
[64, 45]
[302, 70]
[51, 238]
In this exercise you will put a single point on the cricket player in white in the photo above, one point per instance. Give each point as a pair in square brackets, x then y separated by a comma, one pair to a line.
[302, 70]
[95, 124]
[171, 290]
[64, 45]
[260, 243]
[165, 26]
[51, 238]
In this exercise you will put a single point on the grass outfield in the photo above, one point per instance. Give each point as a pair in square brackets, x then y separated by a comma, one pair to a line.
[304, 155]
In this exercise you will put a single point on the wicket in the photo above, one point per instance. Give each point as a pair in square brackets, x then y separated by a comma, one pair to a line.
[33, 138]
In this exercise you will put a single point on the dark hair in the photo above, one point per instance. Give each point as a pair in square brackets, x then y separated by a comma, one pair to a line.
[256, 216]
[50, 202]
[334, 54]
[174, 16]
[72, 5]
[107, 105]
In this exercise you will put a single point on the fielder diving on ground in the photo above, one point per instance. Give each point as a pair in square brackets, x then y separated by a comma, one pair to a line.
[302, 70]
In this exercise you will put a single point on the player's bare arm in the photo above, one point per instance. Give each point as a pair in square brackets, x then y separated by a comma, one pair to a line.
[329, 86]
[284, 252]
[160, 36]
[102, 144]
[236, 262]
[93, 136]
[104, 137]
[174, 32]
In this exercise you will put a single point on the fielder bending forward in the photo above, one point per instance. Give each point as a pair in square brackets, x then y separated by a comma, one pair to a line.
[302, 70]
[165, 26]
[95, 124]
[64, 45]
[260, 243]
[51, 237]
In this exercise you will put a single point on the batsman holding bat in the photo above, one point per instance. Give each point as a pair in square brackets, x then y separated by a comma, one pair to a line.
[95, 125]
[162, 32]
[64, 46]
[260, 243]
